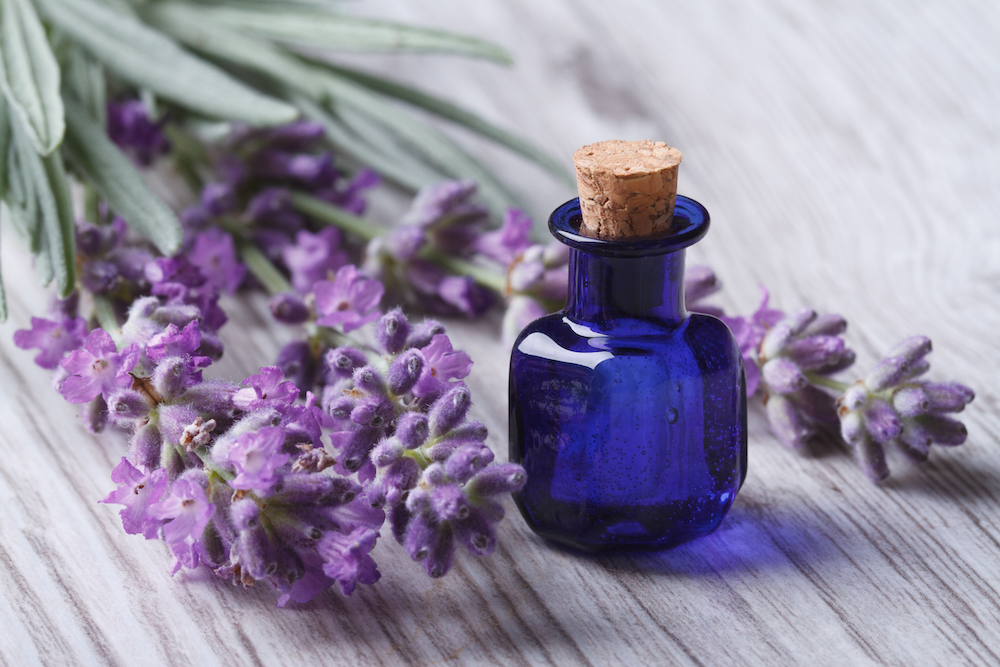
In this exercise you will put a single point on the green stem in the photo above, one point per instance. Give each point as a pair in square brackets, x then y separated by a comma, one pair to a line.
[262, 268]
[333, 215]
[91, 208]
[829, 383]
[461, 267]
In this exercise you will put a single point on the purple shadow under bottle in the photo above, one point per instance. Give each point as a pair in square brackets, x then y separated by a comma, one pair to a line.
[627, 412]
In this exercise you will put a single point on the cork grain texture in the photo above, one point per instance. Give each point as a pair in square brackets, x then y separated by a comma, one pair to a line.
[627, 188]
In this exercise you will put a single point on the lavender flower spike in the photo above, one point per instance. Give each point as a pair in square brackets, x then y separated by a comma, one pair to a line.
[794, 351]
[891, 406]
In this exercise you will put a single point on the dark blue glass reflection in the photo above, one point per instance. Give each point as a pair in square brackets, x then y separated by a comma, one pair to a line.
[628, 413]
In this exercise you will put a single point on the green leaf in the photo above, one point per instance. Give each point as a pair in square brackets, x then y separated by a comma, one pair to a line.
[328, 30]
[395, 166]
[46, 182]
[118, 181]
[328, 89]
[29, 75]
[4, 146]
[85, 77]
[147, 58]
[447, 110]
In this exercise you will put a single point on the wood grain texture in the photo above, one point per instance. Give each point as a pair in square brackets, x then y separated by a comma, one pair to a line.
[848, 152]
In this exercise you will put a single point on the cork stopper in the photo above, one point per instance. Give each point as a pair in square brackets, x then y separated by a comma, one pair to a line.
[627, 188]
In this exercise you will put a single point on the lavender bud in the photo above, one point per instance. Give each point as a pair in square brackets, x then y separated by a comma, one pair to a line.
[95, 415]
[302, 488]
[288, 308]
[434, 474]
[910, 401]
[827, 324]
[786, 421]
[497, 479]
[374, 412]
[916, 369]
[915, 450]
[126, 405]
[245, 514]
[400, 477]
[405, 371]
[881, 421]
[442, 451]
[171, 377]
[942, 430]
[339, 408]
[421, 335]
[342, 362]
[476, 533]
[296, 361]
[887, 372]
[912, 349]
[256, 553]
[471, 432]
[355, 452]
[421, 536]
[948, 396]
[399, 518]
[815, 351]
[412, 429]
[418, 501]
[448, 411]
[386, 453]
[800, 320]
[845, 361]
[392, 331]
[783, 376]
[915, 442]
[145, 448]
[852, 428]
[438, 562]
[466, 462]
[491, 510]
[449, 502]
[871, 458]
[855, 396]
[775, 340]
[341, 492]
[369, 380]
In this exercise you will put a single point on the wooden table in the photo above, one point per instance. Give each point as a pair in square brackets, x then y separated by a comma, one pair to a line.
[848, 153]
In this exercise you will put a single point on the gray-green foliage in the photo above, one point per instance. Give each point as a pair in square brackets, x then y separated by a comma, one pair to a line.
[235, 61]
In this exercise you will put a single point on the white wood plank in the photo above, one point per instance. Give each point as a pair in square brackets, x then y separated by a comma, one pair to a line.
[849, 156]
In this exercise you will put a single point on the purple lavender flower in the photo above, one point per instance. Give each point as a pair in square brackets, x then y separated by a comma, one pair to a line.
[257, 457]
[349, 301]
[288, 308]
[187, 512]
[793, 353]
[313, 257]
[891, 406]
[506, 243]
[265, 389]
[54, 340]
[346, 558]
[97, 369]
[442, 364]
[130, 127]
[215, 256]
[137, 492]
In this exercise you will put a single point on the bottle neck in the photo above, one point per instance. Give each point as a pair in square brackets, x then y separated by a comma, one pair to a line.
[607, 292]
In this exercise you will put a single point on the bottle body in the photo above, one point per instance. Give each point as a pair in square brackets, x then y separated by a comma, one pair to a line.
[628, 414]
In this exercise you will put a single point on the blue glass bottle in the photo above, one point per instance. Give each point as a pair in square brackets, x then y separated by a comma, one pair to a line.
[627, 412]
